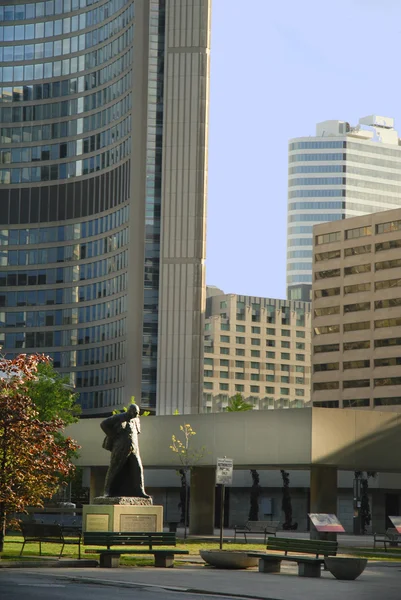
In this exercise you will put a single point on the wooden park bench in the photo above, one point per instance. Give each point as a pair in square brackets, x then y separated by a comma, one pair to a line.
[307, 566]
[111, 557]
[390, 538]
[50, 533]
[265, 527]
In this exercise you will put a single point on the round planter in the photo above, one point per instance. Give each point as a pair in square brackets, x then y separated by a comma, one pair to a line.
[345, 568]
[229, 559]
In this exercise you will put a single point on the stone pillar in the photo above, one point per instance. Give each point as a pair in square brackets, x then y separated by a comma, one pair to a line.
[97, 478]
[323, 497]
[201, 509]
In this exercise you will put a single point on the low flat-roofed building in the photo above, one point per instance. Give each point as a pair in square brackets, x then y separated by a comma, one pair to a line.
[356, 312]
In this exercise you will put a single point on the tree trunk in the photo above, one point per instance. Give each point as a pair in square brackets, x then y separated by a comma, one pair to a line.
[2, 526]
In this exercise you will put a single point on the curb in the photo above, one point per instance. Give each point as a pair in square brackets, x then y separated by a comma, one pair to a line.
[40, 564]
[169, 588]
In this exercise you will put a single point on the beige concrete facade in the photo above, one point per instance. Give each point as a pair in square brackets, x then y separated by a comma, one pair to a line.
[284, 439]
[356, 318]
[258, 347]
[184, 187]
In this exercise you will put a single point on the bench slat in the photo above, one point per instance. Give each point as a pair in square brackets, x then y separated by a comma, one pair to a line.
[316, 547]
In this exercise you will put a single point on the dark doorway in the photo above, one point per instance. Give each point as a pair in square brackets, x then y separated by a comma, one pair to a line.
[392, 506]
[217, 505]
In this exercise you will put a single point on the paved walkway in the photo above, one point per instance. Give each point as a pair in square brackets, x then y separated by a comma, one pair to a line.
[378, 581]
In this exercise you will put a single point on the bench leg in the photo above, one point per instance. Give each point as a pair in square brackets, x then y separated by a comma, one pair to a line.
[164, 560]
[109, 561]
[269, 566]
[309, 569]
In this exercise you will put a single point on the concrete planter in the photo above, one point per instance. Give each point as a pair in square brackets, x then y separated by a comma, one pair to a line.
[228, 559]
[345, 568]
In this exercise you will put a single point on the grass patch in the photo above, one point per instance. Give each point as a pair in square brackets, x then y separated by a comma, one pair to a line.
[12, 548]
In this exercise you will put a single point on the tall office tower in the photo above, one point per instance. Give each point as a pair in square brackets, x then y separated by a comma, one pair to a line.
[103, 117]
[256, 347]
[341, 172]
[356, 318]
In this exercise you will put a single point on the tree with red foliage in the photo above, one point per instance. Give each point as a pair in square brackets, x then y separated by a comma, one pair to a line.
[34, 458]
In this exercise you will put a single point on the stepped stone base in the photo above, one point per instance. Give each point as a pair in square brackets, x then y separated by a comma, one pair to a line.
[122, 517]
[123, 500]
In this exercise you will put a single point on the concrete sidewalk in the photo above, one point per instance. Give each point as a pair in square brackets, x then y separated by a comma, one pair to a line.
[379, 580]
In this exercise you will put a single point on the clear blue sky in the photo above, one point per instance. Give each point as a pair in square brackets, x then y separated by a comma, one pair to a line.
[278, 68]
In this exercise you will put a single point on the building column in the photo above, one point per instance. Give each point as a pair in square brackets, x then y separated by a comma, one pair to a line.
[323, 496]
[97, 478]
[201, 508]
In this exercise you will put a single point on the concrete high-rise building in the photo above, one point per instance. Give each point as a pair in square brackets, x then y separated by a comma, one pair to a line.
[356, 319]
[103, 130]
[341, 172]
[257, 347]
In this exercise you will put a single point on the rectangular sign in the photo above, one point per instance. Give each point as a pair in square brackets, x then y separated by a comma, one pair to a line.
[224, 471]
[396, 521]
[138, 523]
[97, 522]
[326, 523]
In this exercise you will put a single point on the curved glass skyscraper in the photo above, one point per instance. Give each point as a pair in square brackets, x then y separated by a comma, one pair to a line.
[81, 118]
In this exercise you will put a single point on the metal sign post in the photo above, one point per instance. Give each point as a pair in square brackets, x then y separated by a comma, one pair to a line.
[224, 476]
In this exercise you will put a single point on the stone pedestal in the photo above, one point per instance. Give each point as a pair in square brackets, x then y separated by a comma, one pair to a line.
[122, 514]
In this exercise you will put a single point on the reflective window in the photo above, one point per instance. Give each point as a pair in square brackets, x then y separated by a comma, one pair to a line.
[324, 329]
[356, 345]
[358, 232]
[323, 157]
[395, 322]
[328, 292]
[327, 255]
[356, 269]
[395, 401]
[387, 227]
[390, 245]
[388, 362]
[387, 381]
[327, 238]
[356, 307]
[390, 283]
[357, 250]
[326, 385]
[358, 402]
[359, 287]
[356, 326]
[356, 364]
[388, 264]
[328, 273]
[333, 366]
[396, 341]
[328, 310]
[326, 348]
[357, 383]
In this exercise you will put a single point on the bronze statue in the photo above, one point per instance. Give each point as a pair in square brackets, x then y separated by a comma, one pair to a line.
[125, 474]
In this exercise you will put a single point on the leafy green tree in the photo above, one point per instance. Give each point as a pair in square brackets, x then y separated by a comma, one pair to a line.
[237, 404]
[34, 460]
[52, 395]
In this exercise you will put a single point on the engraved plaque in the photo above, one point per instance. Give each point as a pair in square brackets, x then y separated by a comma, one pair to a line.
[97, 522]
[138, 523]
